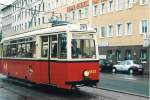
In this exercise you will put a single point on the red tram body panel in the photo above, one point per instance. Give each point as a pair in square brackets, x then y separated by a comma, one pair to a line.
[62, 74]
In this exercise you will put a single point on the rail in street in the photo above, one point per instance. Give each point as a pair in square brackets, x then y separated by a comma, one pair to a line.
[15, 89]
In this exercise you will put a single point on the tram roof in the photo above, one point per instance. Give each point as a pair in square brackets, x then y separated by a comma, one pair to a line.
[69, 27]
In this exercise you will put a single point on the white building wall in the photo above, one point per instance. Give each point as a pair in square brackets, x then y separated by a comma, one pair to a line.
[0, 21]
[6, 21]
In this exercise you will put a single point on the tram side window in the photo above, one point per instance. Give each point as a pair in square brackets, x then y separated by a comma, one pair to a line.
[62, 46]
[13, 50]
[6, 50]
[54, 46]
[44, 46]
[26, 50]
[19, 50]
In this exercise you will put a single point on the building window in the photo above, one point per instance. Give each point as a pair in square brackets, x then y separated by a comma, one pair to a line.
[110, 6]
[110, 55]
[43, 20]
[119, 30]
[143, 55]
[86, 12]
[80, 14]
[110, 31]
[73, 15]
[129, 28]
[120, 4]
[66, 17]
[25, 26]
[143, 2]
[35, 10]
[39, 7]
[118, 55]
[130, 3]
[144, 26]
[94, 10]
[128, 55]
[102, 8]
[102, 32]
[39, 21]
[43, 6]
[34, 21]
[83, 27]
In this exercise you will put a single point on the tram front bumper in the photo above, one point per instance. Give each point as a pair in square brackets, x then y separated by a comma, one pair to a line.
[84, 82]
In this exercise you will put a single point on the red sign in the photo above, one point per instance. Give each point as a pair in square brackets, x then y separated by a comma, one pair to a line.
[77, 6]
[95, 1]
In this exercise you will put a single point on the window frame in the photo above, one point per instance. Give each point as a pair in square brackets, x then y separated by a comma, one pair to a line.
[101, 36]
[127, 32]
[141, 26]
[143, 3]
[108, 31]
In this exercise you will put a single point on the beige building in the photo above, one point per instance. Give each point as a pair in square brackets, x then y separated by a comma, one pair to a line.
[123, 26]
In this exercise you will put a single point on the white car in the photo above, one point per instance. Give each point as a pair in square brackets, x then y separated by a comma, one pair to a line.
[131, 66]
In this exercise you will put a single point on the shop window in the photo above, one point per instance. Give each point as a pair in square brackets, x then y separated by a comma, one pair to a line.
[110, 55]
[118, 55]
[143, 55]
[128, 55]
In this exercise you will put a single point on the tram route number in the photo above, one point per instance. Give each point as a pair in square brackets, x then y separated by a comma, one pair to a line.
[92, 71]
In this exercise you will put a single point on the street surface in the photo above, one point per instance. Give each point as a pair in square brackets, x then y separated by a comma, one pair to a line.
[128, 83]
[10, 90]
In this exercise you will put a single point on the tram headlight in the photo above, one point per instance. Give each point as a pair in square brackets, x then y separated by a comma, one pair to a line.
[86, 73]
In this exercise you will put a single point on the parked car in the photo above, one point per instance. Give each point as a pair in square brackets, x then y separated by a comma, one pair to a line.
[105, 66]
[131, 66]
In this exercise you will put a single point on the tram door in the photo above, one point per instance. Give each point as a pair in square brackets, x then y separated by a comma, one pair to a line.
[45, 52]
[49, 50]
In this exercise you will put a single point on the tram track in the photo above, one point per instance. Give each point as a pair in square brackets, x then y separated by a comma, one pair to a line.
[122, 92]
[22, 97]
[100, 96]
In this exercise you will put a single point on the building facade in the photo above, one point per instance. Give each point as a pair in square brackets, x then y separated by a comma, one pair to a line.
[7, 21]
[123, 26]
[123, 30]
[0, 25]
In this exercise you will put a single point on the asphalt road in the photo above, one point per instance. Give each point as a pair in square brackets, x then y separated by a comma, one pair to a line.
[123, 82]
[12, 90]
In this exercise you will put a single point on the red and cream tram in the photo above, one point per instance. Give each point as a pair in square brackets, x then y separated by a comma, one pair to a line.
[62, 56]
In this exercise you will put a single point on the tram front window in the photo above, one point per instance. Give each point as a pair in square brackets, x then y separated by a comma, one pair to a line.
[83, 48]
